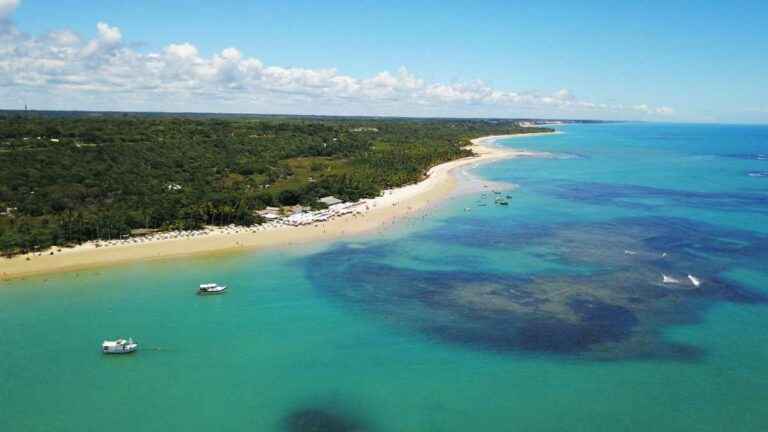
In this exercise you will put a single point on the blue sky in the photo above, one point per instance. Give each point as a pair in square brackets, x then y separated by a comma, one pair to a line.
[671, 61]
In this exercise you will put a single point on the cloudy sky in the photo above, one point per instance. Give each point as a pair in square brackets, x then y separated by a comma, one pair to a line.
[667, 61]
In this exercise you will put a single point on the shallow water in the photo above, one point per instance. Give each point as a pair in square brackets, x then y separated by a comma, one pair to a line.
[548, 314]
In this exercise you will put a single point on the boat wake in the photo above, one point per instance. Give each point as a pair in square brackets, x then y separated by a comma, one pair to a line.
[566, 156]
[694, 280]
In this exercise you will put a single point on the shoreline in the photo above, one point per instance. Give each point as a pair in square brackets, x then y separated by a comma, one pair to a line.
[371, 213]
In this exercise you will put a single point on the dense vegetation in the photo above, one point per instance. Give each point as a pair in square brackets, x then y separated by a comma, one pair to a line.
[68, 179]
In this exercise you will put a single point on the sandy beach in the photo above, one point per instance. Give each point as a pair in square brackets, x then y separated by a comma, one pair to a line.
[368, 215]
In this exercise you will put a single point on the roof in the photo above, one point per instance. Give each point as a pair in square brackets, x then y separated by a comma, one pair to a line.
[143, 231]
[329, 200]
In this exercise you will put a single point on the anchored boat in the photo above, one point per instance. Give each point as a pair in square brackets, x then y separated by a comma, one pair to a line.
[211, 288]
[119, 346]
[669, 279]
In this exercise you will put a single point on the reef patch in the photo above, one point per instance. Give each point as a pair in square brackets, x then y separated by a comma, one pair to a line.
[638, 277]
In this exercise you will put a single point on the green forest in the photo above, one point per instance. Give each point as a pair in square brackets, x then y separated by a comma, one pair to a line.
[66, 179]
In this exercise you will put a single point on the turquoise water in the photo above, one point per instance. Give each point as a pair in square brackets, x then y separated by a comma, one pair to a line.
[545, 315]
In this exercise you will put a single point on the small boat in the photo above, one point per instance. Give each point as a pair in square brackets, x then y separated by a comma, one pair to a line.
[669, 279]
[694, 280]
[119, 346]
[211, 288]
[629, 252]
[501, 201]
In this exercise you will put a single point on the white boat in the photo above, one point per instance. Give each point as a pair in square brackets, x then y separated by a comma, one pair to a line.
[119, 346]
[211, 288]
[669, 279]
[694, 280]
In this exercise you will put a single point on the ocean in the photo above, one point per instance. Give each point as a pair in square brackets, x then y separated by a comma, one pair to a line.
[569, 308]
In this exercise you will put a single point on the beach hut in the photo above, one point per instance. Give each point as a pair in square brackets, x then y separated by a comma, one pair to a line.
[293, 210]
[269, 213]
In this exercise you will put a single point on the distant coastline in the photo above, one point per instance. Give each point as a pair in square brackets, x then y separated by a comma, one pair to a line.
[367, 215]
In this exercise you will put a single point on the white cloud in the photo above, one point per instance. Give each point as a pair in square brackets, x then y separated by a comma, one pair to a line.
[564, 94]
[661, 111]
[108, 39]
[62, 68]
[231, 54]
[109, 35]
[64, 38]
[183, 51]
[664, 110]
[7, 7]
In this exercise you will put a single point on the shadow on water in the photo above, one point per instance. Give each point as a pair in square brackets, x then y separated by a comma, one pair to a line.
[322, 418]
[637, 286]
